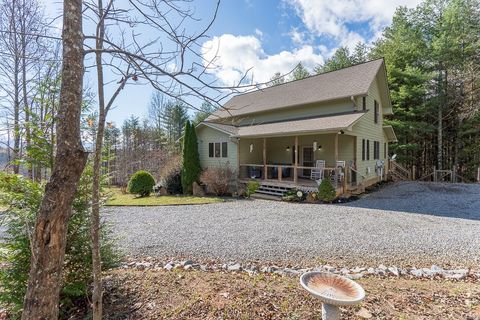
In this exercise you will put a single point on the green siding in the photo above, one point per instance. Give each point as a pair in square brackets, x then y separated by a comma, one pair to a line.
[367, 129]
[313, 110]
[205, 136]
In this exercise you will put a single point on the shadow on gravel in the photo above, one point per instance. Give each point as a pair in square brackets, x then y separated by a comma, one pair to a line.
[452, 200]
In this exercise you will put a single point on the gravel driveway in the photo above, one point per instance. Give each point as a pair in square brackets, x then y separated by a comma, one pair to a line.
[404, 223]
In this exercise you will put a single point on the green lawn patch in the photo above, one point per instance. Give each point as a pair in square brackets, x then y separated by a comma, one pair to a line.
[117, 198]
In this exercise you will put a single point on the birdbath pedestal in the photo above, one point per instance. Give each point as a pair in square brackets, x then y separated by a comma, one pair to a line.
[333, 290]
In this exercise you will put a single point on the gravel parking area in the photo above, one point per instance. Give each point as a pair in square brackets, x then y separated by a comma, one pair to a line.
[404, 223]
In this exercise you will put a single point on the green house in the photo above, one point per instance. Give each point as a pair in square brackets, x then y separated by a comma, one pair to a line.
[293, 135]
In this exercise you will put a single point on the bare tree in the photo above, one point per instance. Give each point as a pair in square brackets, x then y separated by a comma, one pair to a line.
[21, 26]
[49, 238]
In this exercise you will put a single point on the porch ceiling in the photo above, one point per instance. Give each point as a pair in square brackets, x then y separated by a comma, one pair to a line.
[306, 126]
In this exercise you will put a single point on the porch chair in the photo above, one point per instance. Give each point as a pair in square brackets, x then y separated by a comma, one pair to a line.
[317, 173]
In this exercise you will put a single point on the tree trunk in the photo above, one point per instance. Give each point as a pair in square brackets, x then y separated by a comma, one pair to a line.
[96, 258]
[49, 237]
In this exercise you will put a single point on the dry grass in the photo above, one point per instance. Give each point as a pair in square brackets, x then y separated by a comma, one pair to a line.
[117, 198]
[182, 294]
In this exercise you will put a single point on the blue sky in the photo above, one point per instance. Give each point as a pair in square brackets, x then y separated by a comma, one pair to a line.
[268, 36]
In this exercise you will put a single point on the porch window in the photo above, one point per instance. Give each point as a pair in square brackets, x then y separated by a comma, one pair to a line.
[368, 150]
[363, 149]
[218, 149]
[224, 149]
[375, 106]
[210, 150]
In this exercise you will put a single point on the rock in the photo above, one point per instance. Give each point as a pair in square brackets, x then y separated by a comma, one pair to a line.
[370, 271]
[264, 269]
[382, 267]
[329, 268]
[311, 197]
[188, 267]
[187, 263]
[168, 266]
[197, 190]
[364, 314]
[203, 267]
[357, 270]
[162, 191]
[394, 271]
[416, 272]
[355, 276]
[234, 267]
[455, 276]
[291, 272]
[344, 271]
[436, 268]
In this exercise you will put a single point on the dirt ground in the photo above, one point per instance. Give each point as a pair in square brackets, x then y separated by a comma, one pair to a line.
[181, 294]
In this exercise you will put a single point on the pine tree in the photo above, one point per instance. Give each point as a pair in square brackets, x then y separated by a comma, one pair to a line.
[191, 161]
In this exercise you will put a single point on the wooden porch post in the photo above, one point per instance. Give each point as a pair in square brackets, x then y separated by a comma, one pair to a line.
[336, 149]
[264, 158]
[295, 170]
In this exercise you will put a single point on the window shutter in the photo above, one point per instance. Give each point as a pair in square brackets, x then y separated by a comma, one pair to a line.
[364, 103]
[363, 149]
[376, 111]
[368, 149]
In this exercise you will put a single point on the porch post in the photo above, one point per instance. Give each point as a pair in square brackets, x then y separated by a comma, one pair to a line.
[295, 170]
[264, 158]
[336, 149]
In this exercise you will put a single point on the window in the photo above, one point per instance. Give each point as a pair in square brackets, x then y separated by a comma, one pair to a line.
[368, 149]
[385, 151]
[364, 103]
[210, 150]
[375, 107]
[224, 149]
[363, 149]
[217, 149]
[376, 150]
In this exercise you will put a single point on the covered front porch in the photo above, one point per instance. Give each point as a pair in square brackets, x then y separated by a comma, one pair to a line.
[299, 161]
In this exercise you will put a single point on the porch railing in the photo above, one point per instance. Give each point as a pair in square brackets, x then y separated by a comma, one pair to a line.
[288, 175]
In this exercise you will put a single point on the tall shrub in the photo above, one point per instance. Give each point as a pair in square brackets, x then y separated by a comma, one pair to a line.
[190, 161]
[141, 183]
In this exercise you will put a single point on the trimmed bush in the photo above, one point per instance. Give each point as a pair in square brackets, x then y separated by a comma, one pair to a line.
[191, 161]
[326, 191]
[251, 188]
[141, 183]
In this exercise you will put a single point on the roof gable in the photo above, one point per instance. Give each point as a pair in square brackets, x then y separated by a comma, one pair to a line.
[343, 83]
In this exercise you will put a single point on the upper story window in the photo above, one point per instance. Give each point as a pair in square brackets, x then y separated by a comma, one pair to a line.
[364, 103]
[377, 114]
[218, 149]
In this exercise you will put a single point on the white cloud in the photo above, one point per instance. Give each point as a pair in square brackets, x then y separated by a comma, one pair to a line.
[259, 33]
[331, 18]
[235, 55]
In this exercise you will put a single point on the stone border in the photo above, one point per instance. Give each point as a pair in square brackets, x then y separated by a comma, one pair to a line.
[434, 272]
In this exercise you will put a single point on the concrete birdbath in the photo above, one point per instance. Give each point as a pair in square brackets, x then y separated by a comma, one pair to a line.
[333, 290]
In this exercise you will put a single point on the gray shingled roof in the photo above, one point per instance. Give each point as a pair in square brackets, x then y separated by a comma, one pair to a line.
[351, 81]
[313, 125]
